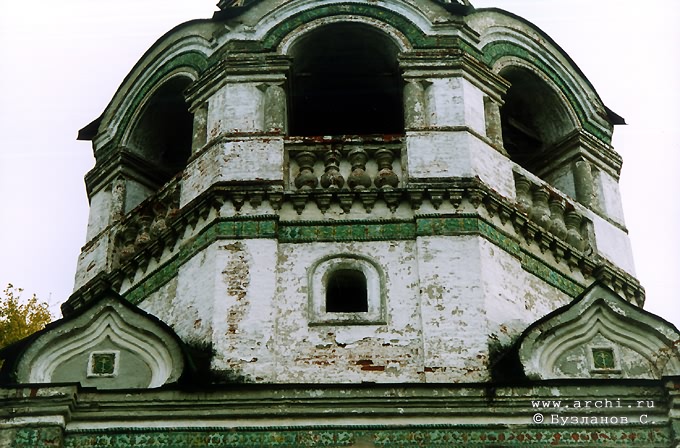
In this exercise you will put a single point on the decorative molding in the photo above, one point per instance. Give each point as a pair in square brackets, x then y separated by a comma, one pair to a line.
[355, 230]
[37, 436]
[467, 207]
[318, 277]
[107, 322]
[559, 345]
[410, 436]
[347, 414]
[103, 363]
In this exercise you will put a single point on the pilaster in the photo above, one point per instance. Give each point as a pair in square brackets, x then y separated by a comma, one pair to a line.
[240, 108]
[451, 100]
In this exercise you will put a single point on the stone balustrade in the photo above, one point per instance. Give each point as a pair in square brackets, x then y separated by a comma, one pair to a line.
[351, 164]
[147, 223]
[552, 211]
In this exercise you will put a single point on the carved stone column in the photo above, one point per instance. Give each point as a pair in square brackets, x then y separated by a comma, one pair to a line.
[200, 135]
[583, 182]
[117, 199]
[494, 128]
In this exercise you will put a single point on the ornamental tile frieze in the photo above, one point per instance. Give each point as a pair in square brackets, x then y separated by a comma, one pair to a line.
[372, 437]
[153, 240]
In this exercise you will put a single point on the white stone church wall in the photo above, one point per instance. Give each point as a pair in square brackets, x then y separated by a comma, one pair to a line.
[449, 302]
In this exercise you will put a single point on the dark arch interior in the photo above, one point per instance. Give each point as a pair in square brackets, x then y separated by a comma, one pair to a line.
[346, 292]
[345, 80]
[163, 132]
[533, 118]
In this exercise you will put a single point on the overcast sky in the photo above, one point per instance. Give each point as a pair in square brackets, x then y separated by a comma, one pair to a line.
[61, 62]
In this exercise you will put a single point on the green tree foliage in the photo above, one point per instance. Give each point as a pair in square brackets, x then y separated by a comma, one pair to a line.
[20, 318]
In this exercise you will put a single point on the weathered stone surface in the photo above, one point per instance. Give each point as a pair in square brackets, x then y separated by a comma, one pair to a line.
[613, 244]
[242, 160]
[93, 260]
[593, 338]
[402, 252]
[436, 156]
[108, 345]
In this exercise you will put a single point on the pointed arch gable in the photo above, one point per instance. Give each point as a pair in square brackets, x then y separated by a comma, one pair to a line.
[140, 350]
[565, 343]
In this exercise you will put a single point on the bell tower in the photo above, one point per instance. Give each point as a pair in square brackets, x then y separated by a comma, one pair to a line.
[394, 220]
[355, 196]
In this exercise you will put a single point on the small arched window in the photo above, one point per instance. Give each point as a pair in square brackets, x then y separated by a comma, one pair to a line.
[163, 131]
[346, 291]
[534, 118]
[346, 80]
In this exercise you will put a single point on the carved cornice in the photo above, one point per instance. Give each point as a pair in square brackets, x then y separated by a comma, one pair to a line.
[582, 145]
[123, 162]
[284, 416]
[243, 67]
[543, 237]
[445, 63]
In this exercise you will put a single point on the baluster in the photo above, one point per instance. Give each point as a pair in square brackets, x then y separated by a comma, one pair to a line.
[386, 177]
[127, 242]
[358, 179]
[540, 212]
[331, 178]
[523, 188]
[573, 222]
[306, 180]
[143, 235]
[557, 225]
[159, 224]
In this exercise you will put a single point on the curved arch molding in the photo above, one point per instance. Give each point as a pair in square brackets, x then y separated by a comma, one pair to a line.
[417, 37]
[146, 352]
[495, 50]
[600, 335]
[114, 127]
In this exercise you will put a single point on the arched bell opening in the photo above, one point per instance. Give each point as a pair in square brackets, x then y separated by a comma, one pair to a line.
[345, 80]
[162, 134]
[534, 118]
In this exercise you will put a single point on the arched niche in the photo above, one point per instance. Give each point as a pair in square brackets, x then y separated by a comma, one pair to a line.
[346, 289]
[534, 118]
[345, 80]
[162, 132]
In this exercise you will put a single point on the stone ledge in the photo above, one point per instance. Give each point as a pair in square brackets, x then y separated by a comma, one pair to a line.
[458, 206]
